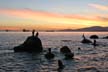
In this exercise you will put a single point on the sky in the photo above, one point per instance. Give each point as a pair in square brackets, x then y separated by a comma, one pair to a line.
[52, 14]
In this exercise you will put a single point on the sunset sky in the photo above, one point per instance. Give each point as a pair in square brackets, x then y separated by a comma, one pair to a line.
[52, 14]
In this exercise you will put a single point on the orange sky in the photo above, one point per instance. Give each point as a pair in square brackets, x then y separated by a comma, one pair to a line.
[52, 14]
[41, 20]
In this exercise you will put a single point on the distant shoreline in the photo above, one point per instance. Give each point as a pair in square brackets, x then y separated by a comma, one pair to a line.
[56, 31]
[87, 29]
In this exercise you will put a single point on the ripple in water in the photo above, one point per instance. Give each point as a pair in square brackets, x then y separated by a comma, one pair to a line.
[88, 59]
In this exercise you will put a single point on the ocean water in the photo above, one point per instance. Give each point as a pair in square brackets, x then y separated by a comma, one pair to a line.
[96, 59]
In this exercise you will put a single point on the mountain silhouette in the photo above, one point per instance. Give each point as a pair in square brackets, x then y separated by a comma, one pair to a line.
[93, 28]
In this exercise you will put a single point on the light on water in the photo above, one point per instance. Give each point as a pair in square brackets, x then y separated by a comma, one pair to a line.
[86, 58]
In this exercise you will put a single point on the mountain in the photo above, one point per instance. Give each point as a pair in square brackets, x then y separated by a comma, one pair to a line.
[94, 28]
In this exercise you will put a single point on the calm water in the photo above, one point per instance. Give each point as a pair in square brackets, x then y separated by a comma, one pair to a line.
[27, 62]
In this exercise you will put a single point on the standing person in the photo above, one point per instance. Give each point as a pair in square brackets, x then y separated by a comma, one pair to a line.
[83, 36]
[33, 31]
[37, 34]
[94, 43]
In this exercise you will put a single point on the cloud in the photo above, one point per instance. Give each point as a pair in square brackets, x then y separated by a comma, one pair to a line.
[97, 6]
[47, 16]
[25, 12]
[47, 20]
[102, 18]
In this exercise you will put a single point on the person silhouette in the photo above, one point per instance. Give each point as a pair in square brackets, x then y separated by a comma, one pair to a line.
[83, 36]
[37, 34]
[49, 54]
[94, 43]
[33, 31]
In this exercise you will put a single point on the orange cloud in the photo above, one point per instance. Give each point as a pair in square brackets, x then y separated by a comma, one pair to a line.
[25, 13]
[100, 7]
[46, 20]
[32, 14]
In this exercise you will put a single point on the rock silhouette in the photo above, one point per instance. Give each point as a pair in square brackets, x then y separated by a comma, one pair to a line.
[65, 49]
[94, 37]
[67, 52]
[31, 44]
[106, 37]
[60, 66]
[85, 40]
[69, 55]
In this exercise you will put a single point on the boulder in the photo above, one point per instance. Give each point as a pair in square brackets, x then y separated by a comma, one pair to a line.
[31, 44]
[60, 65]
[69, 56]
[86, 41]
[105, 37]
[65, 49]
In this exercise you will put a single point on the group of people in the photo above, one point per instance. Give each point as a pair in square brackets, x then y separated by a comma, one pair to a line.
[33, 33]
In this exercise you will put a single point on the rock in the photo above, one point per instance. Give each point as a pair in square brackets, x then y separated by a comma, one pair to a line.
[49, 55]
[31, 44]
[65, 49]
[67, 52]
[105, 37]
[69, 56]
[86, 41]
[60, 65]
[94, 37]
